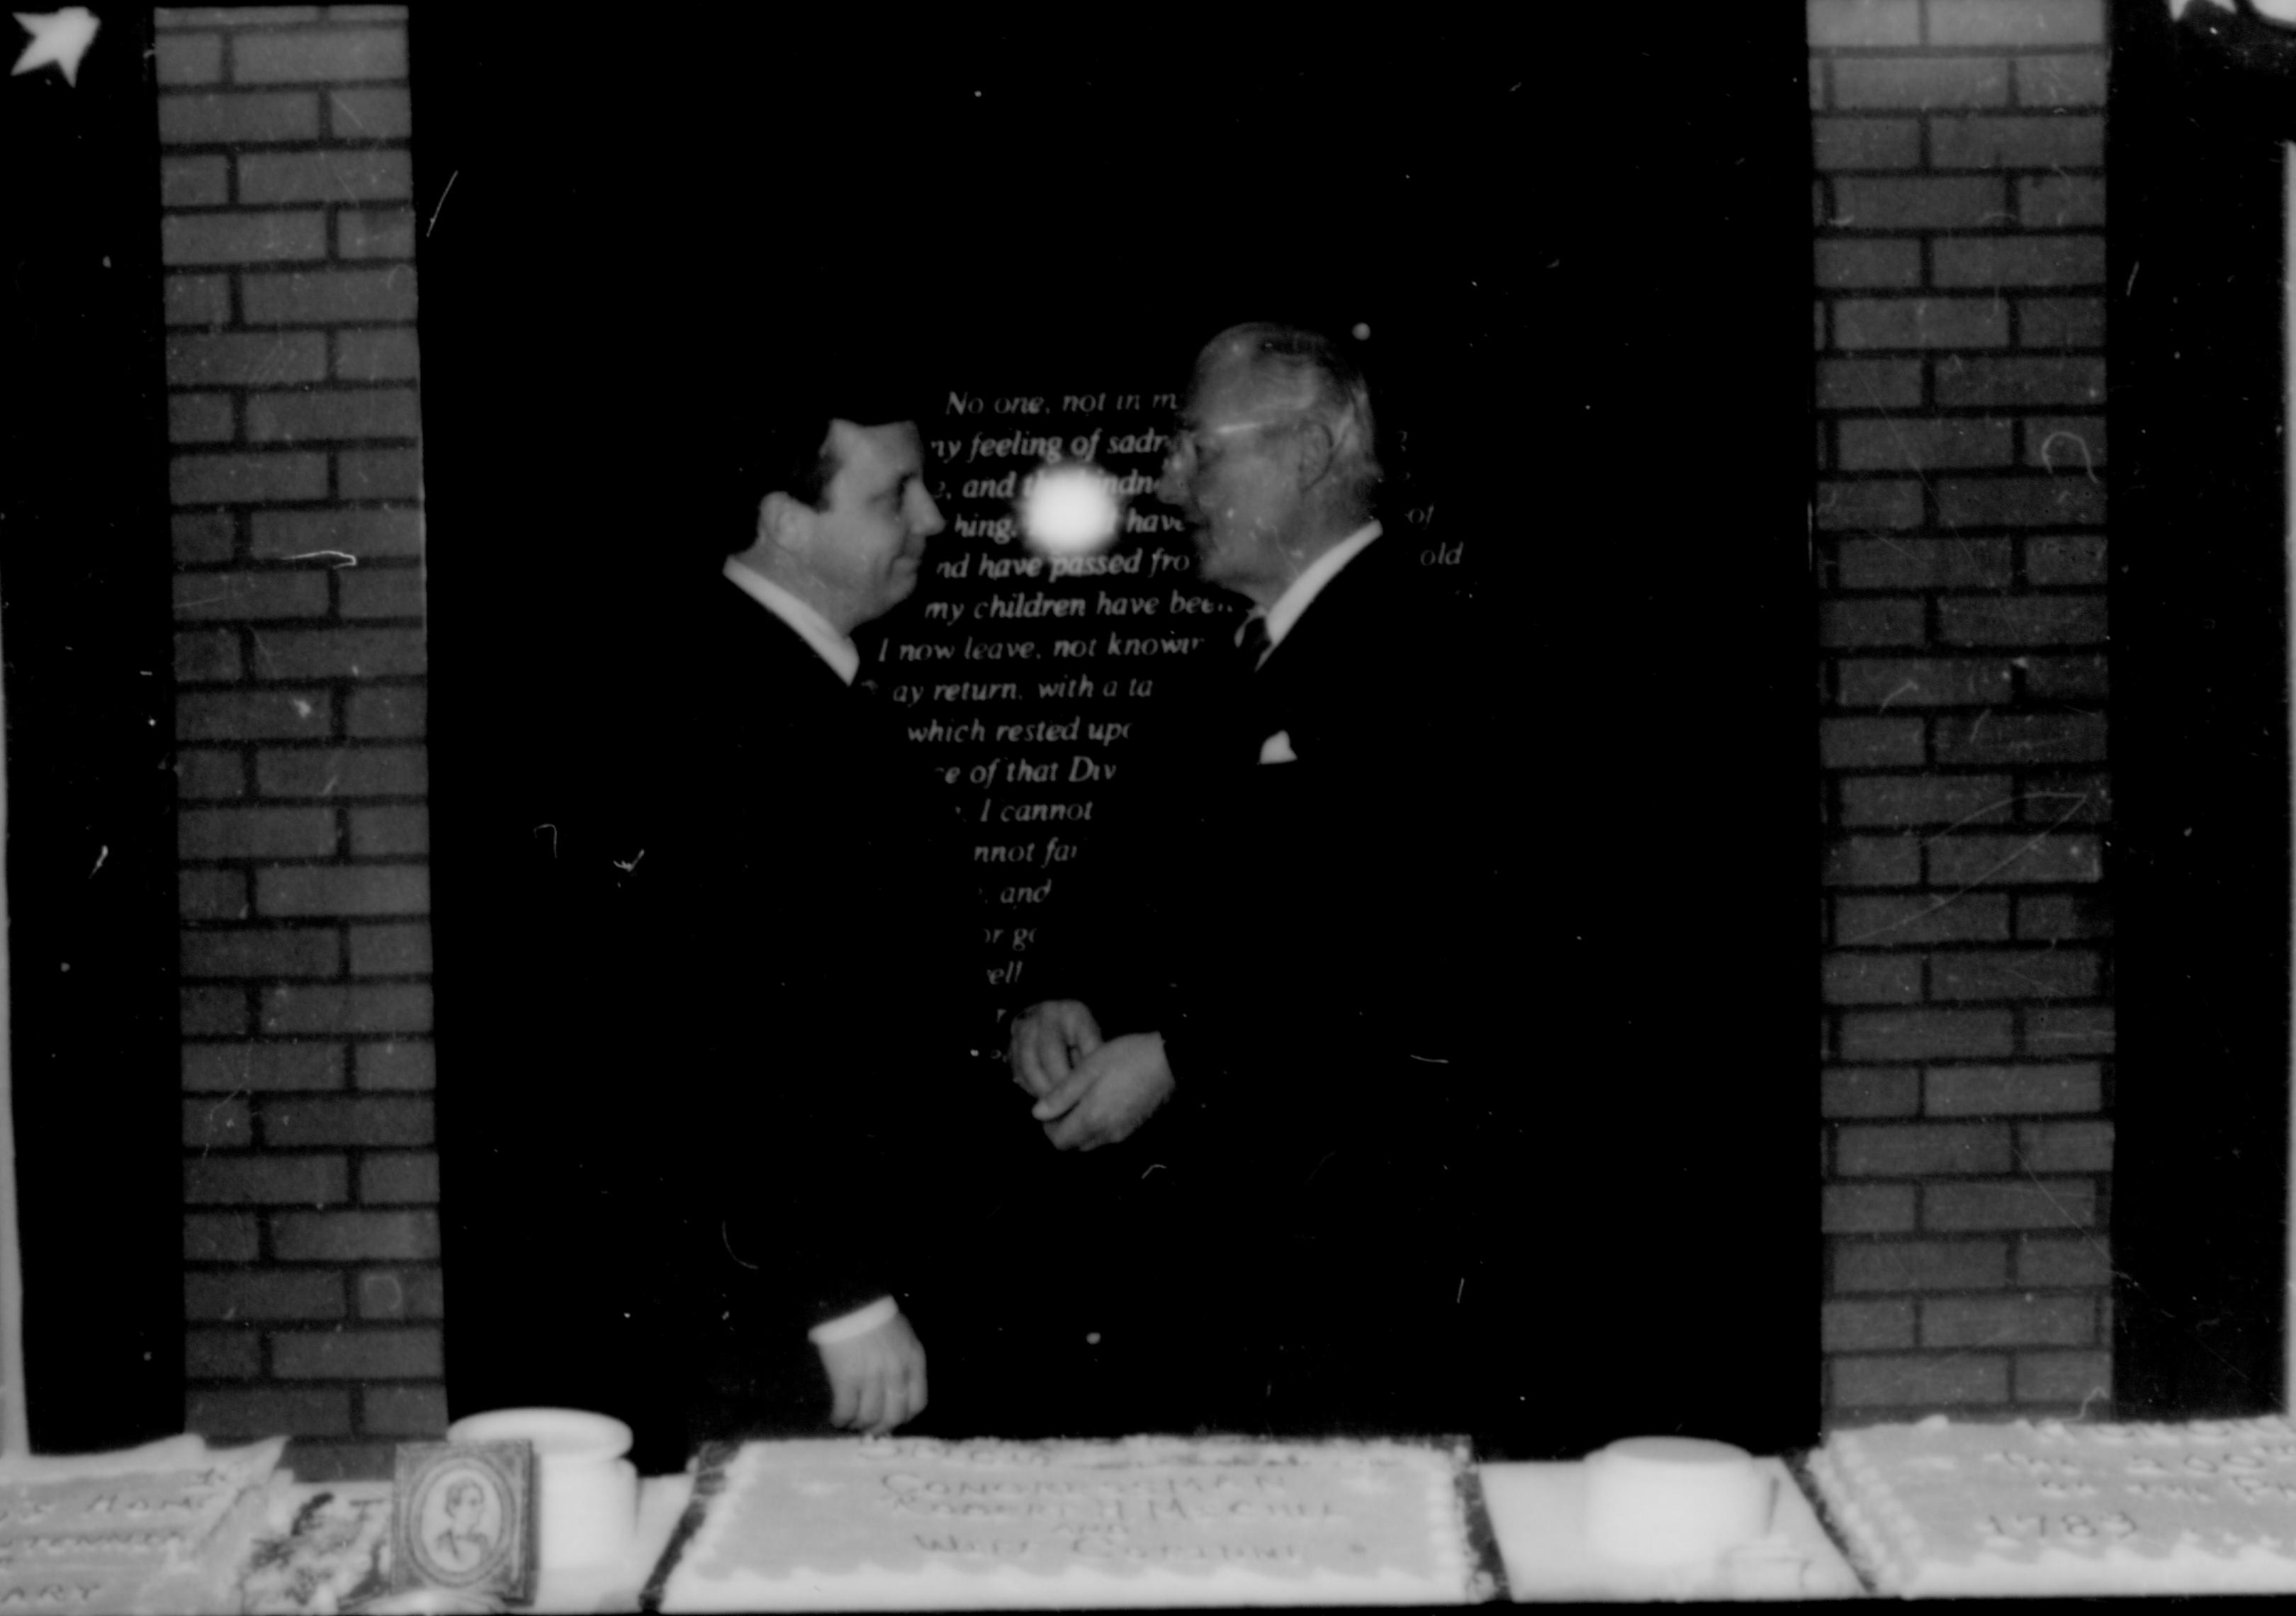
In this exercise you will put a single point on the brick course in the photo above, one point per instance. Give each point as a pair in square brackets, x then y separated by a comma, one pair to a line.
[1960, 503]
[291, 361]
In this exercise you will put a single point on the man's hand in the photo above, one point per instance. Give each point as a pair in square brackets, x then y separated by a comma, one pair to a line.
[1109, 1095]
[1048, 1040]
[878, 1380]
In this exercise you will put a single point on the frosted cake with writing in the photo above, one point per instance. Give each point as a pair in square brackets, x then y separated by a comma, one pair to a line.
[2054, 1507]
[909, 1523]
[155, 1529]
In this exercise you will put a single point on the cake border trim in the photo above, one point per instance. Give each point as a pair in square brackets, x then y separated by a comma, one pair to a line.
[711, 1460]
[1487, 1577]
[1800, 1470]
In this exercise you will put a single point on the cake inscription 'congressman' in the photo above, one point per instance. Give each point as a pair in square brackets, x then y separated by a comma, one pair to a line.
[907, 1522]
[2050, 1507]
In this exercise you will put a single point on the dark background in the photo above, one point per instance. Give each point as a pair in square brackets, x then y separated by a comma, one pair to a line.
[1596, 308]
[2200, 760]
[84, 616]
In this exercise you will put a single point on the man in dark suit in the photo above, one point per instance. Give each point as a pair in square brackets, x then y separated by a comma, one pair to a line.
[797, 966]
[1265, 1014]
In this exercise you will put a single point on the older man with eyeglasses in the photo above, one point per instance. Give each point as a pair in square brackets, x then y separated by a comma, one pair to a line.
[1255, 1020]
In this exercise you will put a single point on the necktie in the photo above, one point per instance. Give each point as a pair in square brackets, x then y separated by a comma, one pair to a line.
[1251, 643]
[1251, 692]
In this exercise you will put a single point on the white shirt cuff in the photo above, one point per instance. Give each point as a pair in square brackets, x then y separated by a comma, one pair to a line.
[884, 1310]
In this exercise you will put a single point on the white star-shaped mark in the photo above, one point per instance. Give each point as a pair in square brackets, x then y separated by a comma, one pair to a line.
[60, 36]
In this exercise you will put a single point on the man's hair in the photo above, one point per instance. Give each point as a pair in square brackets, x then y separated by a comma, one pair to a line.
[783, 444]
[1294, 359]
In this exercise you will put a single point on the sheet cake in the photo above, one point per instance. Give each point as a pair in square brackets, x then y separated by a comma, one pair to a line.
[904, 1522]
[2059, 1508]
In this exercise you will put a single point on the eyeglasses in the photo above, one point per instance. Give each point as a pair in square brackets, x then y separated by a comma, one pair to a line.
[1204, 443]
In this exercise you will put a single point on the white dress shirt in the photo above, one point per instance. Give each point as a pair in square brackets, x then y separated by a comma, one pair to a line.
[838, 651]
[1309, 585]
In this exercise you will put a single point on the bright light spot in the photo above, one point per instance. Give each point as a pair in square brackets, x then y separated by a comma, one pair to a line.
[1363, 332]
[1068, 508]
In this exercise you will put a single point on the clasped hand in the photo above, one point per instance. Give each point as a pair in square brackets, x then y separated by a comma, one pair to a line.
[1089, 1092]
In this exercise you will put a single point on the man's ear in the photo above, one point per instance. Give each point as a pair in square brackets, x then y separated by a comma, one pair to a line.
[1317, 450]
[779, 520]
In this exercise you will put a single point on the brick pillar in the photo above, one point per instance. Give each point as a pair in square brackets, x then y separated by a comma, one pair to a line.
[312, 1286]
[1967, 1027]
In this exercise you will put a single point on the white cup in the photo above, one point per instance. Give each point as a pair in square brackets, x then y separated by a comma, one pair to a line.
[587, 1501]
[1660, 1501]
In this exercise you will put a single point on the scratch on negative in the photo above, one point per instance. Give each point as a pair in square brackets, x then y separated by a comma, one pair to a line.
[1978, 880]
[725, 1239]
[2088, 461]
[2065, 1213]
[1974, 815]
[343, 556]
[1970, 817]
[207, 1143]
[2038, 837]
[449, 185]
[1991, 870]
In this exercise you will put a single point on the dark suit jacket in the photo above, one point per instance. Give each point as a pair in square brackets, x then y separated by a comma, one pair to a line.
[798, 985]
[1305, 935]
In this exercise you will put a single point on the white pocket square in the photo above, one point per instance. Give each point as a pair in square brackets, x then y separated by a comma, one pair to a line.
[1277, 749]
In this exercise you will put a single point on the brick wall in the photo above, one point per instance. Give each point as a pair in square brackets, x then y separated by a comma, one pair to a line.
[311, 1283]
[1967, 1026]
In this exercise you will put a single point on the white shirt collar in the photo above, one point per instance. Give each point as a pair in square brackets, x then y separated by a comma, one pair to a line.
[1309, 583]
[838, 651]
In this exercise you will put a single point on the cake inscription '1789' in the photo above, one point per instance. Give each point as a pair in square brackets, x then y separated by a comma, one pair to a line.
[2113, 1525]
